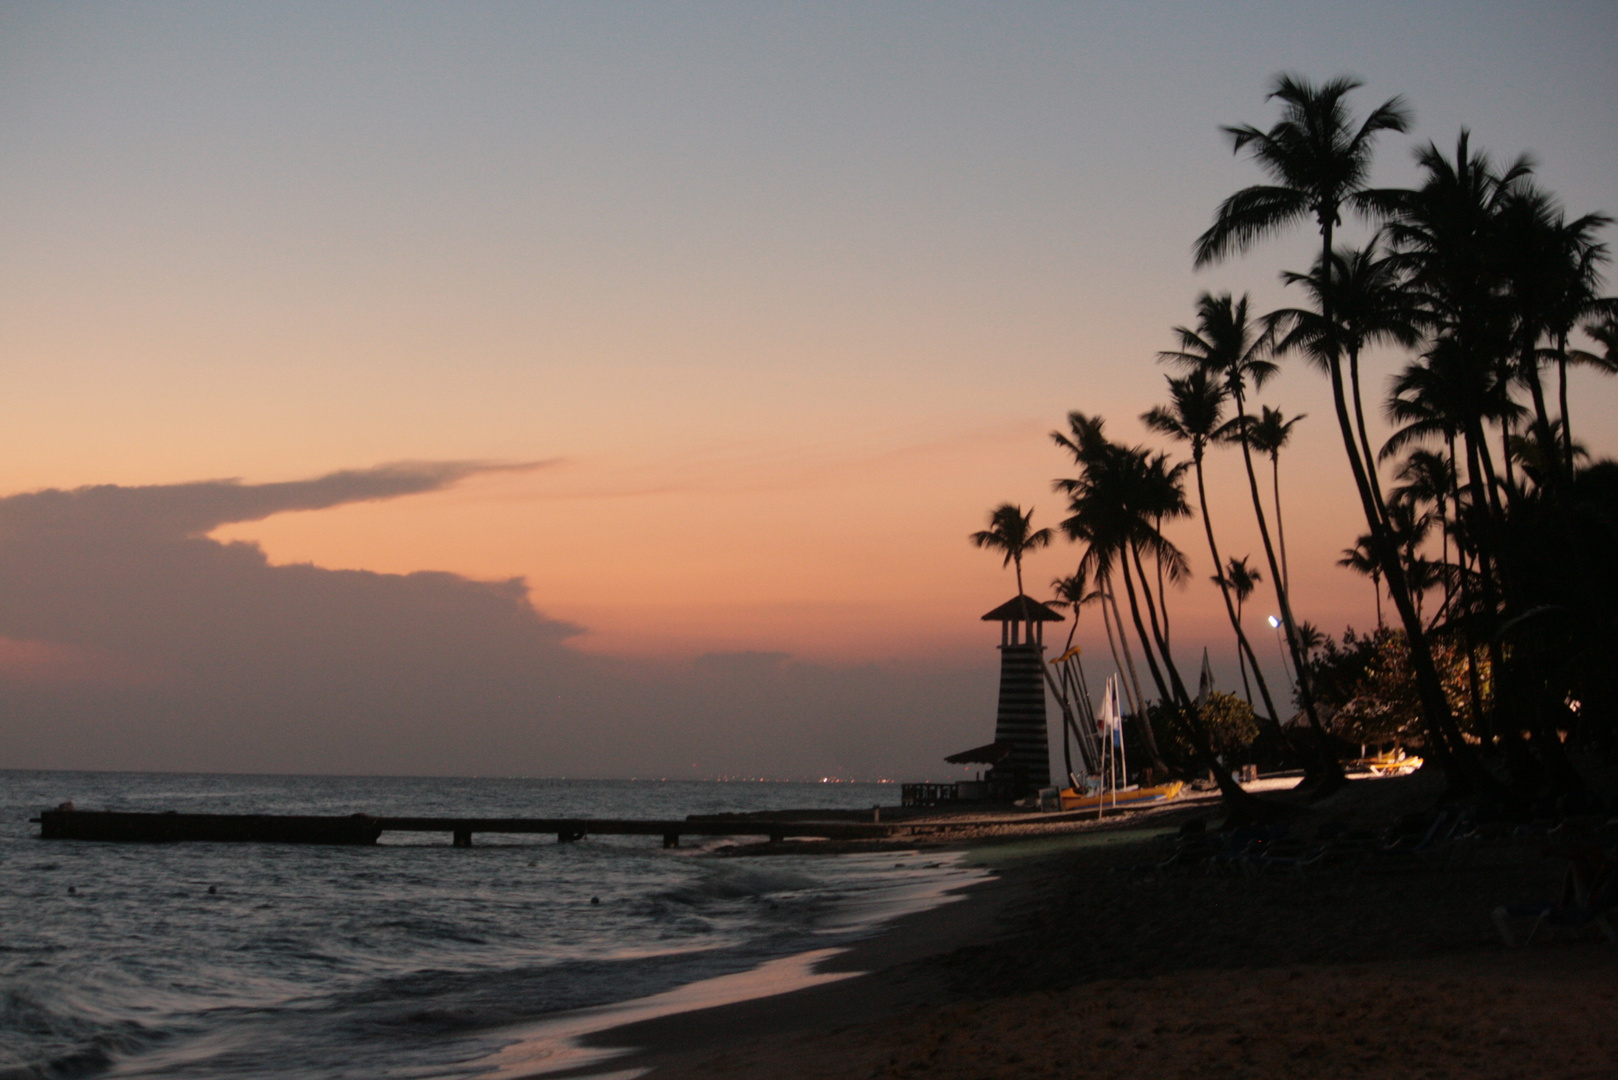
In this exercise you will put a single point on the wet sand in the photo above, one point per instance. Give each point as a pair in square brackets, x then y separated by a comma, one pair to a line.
[1065, 965]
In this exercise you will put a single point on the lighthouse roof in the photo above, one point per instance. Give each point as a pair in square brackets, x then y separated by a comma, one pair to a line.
[1022, 608]
[992, 754]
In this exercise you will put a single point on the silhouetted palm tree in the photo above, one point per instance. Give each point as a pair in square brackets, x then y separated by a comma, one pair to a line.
[1193, 416]
[1318, 160]
[1321, 160]
[1576, 301]
[1408, 528]
[1116, 503]
[1269, 434]
[1360, 559]
[1073, 592]
[1604, 331]
[1605, 335]
[1242, 579]
[1429, 479]
[1231, 348]
[1550, 270]
[1011, 531]
[1370, 304]
[1089, 442]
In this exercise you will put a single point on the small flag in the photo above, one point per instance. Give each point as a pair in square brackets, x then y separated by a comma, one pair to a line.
[1111, 714]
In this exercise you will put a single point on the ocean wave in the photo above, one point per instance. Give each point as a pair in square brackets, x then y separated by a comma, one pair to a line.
[324, 963]
[735, 882]
[57, 1040]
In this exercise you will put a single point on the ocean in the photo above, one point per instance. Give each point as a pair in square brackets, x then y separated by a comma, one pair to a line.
[413, 958]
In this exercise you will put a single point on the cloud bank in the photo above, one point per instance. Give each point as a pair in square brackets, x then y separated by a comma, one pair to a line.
[131, 640]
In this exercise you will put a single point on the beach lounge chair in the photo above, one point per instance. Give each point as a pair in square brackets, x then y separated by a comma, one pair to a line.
[1409, 844]
[1589, 893]
[1333, 844]
[1567, 916]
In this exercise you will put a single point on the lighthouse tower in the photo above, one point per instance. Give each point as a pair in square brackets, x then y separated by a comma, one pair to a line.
[1020, 724]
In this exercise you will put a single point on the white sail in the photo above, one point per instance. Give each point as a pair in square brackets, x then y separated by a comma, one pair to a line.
[1110, 721]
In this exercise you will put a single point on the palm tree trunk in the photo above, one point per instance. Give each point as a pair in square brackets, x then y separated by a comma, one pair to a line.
[1242, 646]
[1139, 702]
[1158, 560]
[1241, 662]
[1507, 430]
[1542, 415]
[1491, 479]
[1322, 768]
[1454, 755]
[1106, 620]
[1135, 697]
[1435, 707]
[1151, 665]
[1486, 509]
[1561, 394]
[1359, 422]
[1280, 523]
[1240, 802]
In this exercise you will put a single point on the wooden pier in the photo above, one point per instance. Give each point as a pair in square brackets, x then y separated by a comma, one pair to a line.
[64, 824]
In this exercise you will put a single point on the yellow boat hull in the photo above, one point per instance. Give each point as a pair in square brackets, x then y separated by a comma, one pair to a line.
[1072, 800]
[1387, 765]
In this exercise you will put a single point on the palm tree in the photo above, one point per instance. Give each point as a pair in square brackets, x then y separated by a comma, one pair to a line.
[1604, 331]
[1429, 479]
[1359, 559]
[1320, 160]
[1073, 592]
[1447, 235]
[1242, 580]
[1551, 276]
[1269, 434]
[1193, 416]
[1231, 347]
[1605, 334]
[1408, 528]
[1576, 301]
[1444, 395]
[1116, 503]
[1089, 442]
[1370, 304]
[1010, 530]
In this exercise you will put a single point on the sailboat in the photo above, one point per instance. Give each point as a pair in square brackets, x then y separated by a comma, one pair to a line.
[1101, 780]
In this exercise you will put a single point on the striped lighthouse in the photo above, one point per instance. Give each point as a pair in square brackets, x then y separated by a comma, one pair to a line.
[1020, 722]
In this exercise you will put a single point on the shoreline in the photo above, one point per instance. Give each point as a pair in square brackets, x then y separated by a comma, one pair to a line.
[889, 971]
[1059, 964]
[876, 975]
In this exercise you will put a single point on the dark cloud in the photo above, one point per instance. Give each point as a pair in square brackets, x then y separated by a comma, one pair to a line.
[135, 641]
[181, 510]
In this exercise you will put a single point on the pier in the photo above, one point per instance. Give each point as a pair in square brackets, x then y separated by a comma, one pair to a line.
[362, 829]
[358, 829]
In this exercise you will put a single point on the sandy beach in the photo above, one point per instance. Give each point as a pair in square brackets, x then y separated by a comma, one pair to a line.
[1067, 963]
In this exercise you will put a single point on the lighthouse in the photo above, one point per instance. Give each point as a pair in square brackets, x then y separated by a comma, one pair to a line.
[1019, 727]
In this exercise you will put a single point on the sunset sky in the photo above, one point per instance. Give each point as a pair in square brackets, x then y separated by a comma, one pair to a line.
[720, 326]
